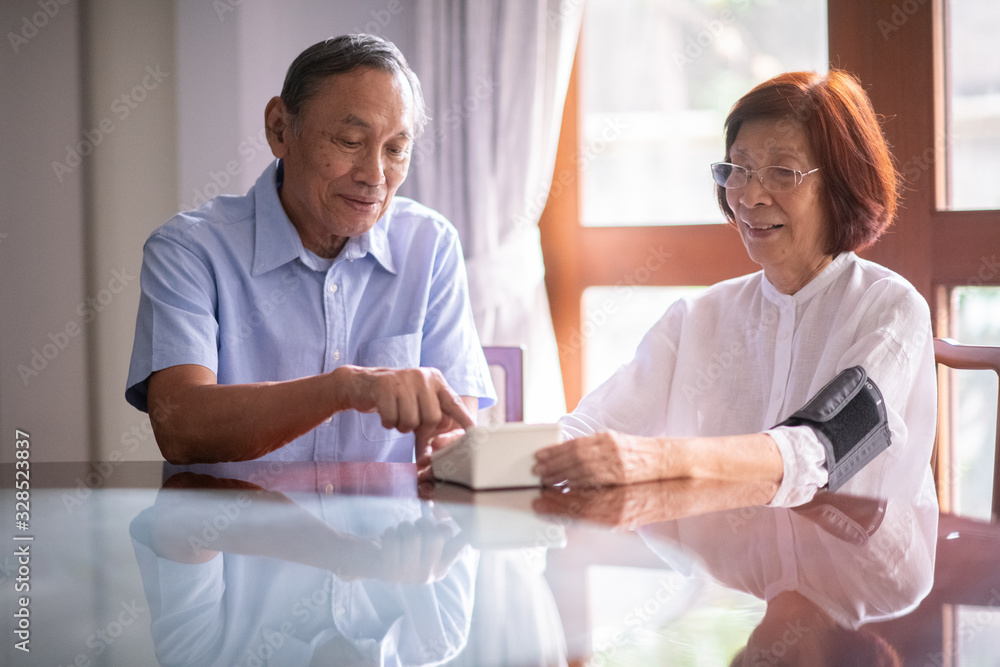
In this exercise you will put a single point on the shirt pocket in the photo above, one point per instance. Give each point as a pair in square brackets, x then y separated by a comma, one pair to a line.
[392, 352]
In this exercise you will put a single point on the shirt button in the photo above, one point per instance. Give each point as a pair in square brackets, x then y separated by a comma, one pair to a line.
[776, 395]
[336, 355]
[333, 288]
[783, 335]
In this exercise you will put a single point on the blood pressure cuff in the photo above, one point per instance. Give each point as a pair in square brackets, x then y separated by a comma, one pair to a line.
[848, 416]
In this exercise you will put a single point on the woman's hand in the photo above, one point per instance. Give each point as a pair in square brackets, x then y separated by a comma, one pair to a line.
[630, 507]
[607, 459]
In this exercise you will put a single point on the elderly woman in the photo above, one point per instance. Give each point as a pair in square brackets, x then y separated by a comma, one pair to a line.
[807, 181]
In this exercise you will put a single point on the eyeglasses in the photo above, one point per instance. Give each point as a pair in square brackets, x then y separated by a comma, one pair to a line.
[774, 179]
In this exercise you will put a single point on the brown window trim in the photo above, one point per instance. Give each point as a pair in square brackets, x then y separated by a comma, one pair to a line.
[934, 249]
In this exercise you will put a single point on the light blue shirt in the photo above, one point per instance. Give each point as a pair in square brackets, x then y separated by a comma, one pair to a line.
[230, 287]
[240, 609]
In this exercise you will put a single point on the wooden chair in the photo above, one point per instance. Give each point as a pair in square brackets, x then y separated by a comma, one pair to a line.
[510, 360]
[952, 354]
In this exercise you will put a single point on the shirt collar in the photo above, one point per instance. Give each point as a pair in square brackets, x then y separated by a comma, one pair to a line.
[814, 286]
[277, 242]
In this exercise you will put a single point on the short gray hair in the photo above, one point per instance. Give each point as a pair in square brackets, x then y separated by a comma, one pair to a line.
[338, 55]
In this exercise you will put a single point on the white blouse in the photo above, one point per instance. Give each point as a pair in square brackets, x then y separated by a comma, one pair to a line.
[741, 357]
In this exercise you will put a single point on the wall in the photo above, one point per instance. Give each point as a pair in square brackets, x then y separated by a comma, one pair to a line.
[166, 100]
[43, 388]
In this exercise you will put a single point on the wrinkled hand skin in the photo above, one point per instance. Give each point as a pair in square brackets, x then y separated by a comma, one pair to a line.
[425, 473]
[413, 553]
[606, 459]
[416, 400]
[626, 506]
[629, 507]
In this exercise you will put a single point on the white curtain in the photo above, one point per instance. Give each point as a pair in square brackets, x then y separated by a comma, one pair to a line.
[495, 74]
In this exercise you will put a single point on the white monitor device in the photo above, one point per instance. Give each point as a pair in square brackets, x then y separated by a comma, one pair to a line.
[498, 457]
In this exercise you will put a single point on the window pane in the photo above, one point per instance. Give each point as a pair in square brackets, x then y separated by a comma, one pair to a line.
[978, 629]
[974, 104]
[659, 77]
[643, 616]
[615, 320]
[977, 323]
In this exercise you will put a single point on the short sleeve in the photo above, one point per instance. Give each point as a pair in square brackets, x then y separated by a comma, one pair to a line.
[450, 340]
[185, 600]
[176, 323]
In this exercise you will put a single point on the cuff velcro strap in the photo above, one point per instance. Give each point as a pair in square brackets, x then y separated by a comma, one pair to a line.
[848, 416]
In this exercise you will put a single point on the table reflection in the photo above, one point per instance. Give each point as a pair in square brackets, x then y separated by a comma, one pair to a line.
[294, 569]
[825, 569]
[286, 563]
[234, 573]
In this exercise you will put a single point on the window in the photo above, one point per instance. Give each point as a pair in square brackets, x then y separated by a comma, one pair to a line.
[653, 82]
[930, 69]
[657, 80]
[973, 111]
[615, 319]
[976, 322]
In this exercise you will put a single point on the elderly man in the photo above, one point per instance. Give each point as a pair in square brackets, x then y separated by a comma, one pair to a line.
[318, 317]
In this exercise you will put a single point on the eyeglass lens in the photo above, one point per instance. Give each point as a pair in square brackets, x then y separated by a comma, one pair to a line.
[774, 178]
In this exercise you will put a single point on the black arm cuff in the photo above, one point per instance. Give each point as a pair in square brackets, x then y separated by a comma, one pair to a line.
[849, 418]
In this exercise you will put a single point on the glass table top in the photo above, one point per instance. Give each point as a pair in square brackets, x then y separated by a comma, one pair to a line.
[358, 564]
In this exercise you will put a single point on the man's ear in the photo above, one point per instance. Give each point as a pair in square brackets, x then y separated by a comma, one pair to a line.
[277, 125]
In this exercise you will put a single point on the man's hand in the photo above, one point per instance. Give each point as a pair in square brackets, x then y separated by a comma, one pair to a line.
[606, 459]
[410, 400]
[425, 474]
[417, 552]
[208, 422]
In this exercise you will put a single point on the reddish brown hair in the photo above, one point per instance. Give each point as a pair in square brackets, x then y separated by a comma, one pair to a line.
[861, 183]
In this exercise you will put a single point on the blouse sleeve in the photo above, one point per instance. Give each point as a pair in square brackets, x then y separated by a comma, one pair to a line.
[894, 344]
[634, 399]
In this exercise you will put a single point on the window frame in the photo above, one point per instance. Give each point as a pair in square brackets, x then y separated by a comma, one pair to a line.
[934, 248]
